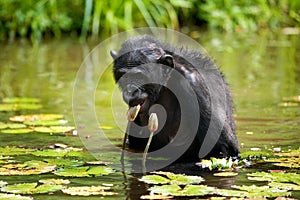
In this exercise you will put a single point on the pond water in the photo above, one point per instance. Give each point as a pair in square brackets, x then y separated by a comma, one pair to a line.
[263, 72]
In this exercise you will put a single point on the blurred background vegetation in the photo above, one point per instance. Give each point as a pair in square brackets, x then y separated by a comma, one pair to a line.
[43, 19]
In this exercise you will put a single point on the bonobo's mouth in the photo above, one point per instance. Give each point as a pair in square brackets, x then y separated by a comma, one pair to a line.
[142, 102]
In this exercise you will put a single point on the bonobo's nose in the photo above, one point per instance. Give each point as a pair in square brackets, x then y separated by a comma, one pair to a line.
[133, 95]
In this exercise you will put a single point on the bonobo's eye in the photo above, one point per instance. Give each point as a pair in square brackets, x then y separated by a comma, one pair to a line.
[166, 59]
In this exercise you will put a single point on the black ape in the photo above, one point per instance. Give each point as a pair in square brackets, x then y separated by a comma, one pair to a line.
[188, 93]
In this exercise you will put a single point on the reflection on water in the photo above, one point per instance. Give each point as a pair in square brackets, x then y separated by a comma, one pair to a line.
[261, 69]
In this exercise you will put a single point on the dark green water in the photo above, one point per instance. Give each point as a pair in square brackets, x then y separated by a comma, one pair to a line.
[263, 70]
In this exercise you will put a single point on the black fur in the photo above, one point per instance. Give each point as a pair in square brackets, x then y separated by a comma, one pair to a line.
[140, 59]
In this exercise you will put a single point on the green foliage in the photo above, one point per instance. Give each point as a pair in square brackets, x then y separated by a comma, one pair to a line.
[231, 15]
[42, 18]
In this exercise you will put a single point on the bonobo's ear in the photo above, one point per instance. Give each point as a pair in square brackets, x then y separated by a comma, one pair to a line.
[166, 59]
[113, 54]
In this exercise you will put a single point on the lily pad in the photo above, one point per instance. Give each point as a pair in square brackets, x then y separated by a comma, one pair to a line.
[284, 186]
[3, 125]
[262, 191]
[226, 174]
[276, 177]
[188, 190]
[11, 151]
[165, 190]
[154, 179]
[85, 171]
[55, 181]
[60, 162]
[20, 100]
[54, 129]
[58, 153]
[46, 122]
[88, 191]
[156, 196]
[31, 188]
[35, 117]
[73, 172]
[231, 193]
[4, 196]
[17, 131]
[20, 106]
[178, 179]
[27, 168]
[2, 183]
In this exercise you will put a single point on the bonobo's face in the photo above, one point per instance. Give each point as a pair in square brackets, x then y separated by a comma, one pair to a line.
[141, 73]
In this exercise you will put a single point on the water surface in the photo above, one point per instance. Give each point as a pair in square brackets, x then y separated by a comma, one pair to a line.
[263, 72]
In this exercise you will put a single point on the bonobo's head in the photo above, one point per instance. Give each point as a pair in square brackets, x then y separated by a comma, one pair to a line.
[141, 68]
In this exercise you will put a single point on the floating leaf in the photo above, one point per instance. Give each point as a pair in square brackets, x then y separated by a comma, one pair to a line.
[46, 122]
[3, 125]
[4, 196]
[35, 117]
[55, 181]
[231, 193]
[10, 151]
[60, 162]
[277, 177]
[284, 186]
[156, 196]
[70, 152]
[100, 170]
[293, 153]
[226, 174]
[73, 172]
[262, 191]
[20, 100]
[98, 163]
[22, 188]
[197, 190]
[88, 191]
[51, 152]
[54, 129]
[31, 188]
[2, 183]
[188, 190]
[27, 168]
[21, 106]
[154, 179]
[106, 127]
[166, 190]
[17, 131]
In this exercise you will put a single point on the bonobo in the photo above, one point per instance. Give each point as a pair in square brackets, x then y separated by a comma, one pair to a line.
[186, 90]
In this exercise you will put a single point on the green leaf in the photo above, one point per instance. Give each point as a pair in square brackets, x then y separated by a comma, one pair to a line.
[54, 129]
[31, 188]
[54, 181]
[17, 131]
[60, 162]
[10, 151]
[46, 122]
[73, 172]
[21, 106]
[21, 188]
[284, 186]
[226, 174]
[51, 152]
[20, 100]
[27, 168]
[88, 191]
[166, 190]
[100, 170]
[4, 196]
[197, 190]
[154, 179]
[35, 117]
